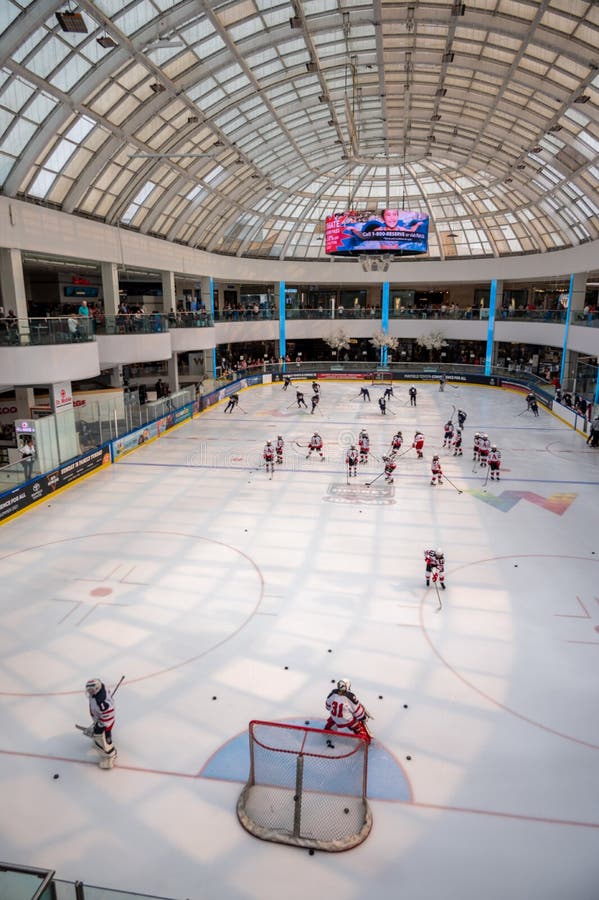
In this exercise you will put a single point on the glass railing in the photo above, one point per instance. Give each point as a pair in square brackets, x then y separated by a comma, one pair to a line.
[190, 320]
[26, 883]
[52, 330]
[133, 323]
[244, 314]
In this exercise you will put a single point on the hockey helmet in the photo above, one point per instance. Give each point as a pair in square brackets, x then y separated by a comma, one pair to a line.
[476, 434]
[268, 442]
[353, 447]
[344, 684]
[439, 554]
[435, 457]
[485, 437]
[93, 687]
[493, 446]
[279, 437]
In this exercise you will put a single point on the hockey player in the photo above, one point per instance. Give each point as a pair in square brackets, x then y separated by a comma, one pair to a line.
[388, 392]
[396, 441]
[534, 408]
[382, 405]
[233, 401]
[279, 447]
[529, 400]
[390, 467]
[101, 710]
[435, 567]
[484, 447]
[316, 387]
[418, 444]
[436, 471]
[364, 445]
[315, 444]
[476, 448]
[286, 382]
[346, 711]
[447, 433]
[365, 394]
[315, 400]
[442, 380]
[462, 416]
[300, 399]
[351, 460]
[269, 457]
[457, 443]
[494, 462]
[413, 393]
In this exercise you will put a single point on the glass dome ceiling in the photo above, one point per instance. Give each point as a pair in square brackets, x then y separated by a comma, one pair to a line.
[236, 127]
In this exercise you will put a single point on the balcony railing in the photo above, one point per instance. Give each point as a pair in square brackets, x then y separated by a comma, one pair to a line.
[133, 323]
[190, 320]
[52, 330]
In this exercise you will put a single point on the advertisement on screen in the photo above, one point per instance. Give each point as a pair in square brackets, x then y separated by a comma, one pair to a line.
[399, 231]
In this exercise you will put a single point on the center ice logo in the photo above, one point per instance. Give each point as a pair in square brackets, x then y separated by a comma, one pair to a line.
[359, 495]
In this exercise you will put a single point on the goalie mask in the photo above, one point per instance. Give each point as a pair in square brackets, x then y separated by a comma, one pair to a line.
[343, 685]
[93, 687]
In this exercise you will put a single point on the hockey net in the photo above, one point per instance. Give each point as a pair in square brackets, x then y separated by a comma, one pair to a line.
[301, 791]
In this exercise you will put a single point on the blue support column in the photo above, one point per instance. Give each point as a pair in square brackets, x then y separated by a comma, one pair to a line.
[562, 370]
[212, 314]
[282, 339]
[491, 326]
[385, 318]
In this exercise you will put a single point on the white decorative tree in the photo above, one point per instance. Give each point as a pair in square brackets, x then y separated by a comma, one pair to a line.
[433, 341]
[380, 340]
[338, 340]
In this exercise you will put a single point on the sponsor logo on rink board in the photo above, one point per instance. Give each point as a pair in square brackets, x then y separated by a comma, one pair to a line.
[359, 494]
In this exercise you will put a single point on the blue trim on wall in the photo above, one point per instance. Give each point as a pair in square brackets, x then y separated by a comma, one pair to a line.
[212, 314]
[491, 327]
[385, 318]
[282, 339]
[562, 370]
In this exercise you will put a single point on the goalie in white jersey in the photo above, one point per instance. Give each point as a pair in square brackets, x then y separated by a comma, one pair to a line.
[101, 710]
[346, 711]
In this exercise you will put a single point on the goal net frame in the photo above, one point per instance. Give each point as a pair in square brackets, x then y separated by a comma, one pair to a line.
[306, 787]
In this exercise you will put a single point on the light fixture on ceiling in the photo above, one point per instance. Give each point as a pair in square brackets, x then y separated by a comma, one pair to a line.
[106, 41]
[71, 22]
[218, 144]
[582, 98]
[440, 92]
[536, 149]
[435, 118]
[555, 128]
[157, 87]
[295, 22]
[311, 67]
[458, 9]
[165, 43]
[191, 120]
[448, 57]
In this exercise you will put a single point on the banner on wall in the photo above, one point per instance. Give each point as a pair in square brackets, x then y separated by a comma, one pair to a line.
[23, 496]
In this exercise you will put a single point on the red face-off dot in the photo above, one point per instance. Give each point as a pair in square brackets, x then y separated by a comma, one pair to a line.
[101, 592]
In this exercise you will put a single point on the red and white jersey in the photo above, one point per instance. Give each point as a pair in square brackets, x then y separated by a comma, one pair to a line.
[495, 457]
[448, 430]
[280, 446]
[484, 446]
[457, 441]
[315, 442]
[269, 452]
[436, 467]
[352, 457]
[476, 443]
[418, 441]
[434, 562]
[390, 464]
[364, 442]
[101, 709]
[344, 708]
[396, 441]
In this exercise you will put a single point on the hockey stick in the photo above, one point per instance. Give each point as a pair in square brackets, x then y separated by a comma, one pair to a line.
[453, 485]
[454, 412]
[369, 483]
[440, 606]
[522, 413]
[486, 478]
[242, 409]
[297, 444]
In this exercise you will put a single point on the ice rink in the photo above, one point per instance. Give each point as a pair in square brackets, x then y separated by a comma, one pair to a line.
[223, 596]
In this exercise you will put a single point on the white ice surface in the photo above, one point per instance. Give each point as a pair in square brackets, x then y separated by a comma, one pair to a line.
[197, 580]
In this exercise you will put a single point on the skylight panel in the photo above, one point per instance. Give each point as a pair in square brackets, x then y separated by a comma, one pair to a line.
[70, 72]
[135, 17]
[42, 184]
[18, 137]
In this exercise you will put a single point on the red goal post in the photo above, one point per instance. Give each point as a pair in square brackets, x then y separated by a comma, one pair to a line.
[301, 791]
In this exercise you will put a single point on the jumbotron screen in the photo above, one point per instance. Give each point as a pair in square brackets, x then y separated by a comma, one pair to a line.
[399, 231]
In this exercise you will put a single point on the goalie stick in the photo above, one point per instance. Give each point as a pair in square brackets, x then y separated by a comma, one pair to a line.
[440, 606]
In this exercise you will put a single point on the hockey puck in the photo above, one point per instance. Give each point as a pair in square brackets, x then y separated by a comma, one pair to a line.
[405, 706]
[515, 565]
[346, 810]
[214, 698]
[311, 851]
[286, 668]
[329, 651]
[245, 529]
[408, 757]
[380, 696]
[56, 775]
[306, 723]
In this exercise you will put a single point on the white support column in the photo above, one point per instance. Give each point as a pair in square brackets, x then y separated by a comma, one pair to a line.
[169, 294]
[12, 282]
[110, 288]
[173, 373]
[24, 400]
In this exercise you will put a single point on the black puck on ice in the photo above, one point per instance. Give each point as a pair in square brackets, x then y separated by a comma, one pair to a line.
[405, 706]
[329, 651]
[515, 565]
[245, 529]
[56, 775]
[311, 851]
[332, 681]
[214, 698]
[346, 810]
[380, 696]
[408, 757]
[306, 723]
[286, 667]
